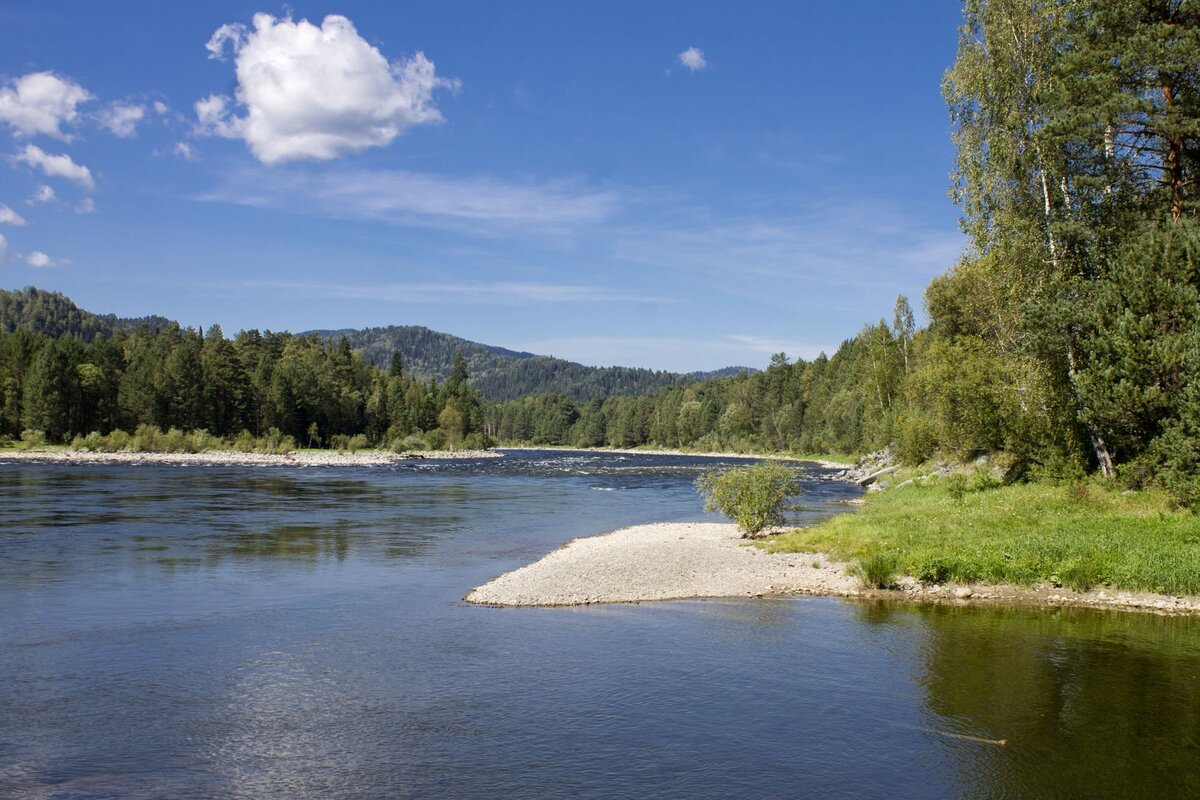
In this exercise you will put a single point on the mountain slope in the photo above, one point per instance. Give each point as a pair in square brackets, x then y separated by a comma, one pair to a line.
[499, 373]
[502, 374]
[53, 314]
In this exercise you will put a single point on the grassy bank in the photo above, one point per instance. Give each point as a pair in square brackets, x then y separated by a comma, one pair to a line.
[1083, 537]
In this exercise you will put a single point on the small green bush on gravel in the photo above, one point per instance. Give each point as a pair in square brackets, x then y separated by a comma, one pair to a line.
[753, 496]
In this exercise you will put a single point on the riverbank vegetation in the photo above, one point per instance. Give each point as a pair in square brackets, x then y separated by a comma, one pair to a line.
[1081, 535]
[1067, 336]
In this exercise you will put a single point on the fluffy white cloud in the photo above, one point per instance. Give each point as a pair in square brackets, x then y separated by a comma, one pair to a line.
[10, 217]
[185, 151]
[160, 107]
[41, 102]
[122, 118]
[44, 194]
[39, 260]
[60, 166]
[86, 206]
[3, 249]
[316, 92]
[693, 59]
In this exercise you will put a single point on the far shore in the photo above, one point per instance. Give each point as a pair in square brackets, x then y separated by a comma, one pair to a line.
[301, 458]
[674, 561]
[699, 454]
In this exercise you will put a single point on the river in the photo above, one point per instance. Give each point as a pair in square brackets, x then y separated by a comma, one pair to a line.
[205, 632]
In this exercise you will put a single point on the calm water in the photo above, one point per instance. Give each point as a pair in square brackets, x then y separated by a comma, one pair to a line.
[296, 633]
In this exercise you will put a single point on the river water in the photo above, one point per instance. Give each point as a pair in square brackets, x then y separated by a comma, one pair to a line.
[197, 632]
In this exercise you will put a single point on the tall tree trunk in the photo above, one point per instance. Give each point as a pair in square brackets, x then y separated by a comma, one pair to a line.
[1174, 165]
[1099, 448]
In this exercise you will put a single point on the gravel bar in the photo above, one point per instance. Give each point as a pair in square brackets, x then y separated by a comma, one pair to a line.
[663, 561]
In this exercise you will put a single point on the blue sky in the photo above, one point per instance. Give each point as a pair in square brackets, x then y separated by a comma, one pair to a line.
[671, 185]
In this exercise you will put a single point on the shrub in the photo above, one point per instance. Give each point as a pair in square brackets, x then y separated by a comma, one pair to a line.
[244, 443]
[436, 439]
[146, 439]
[916, 439]
[877, 571]
[753, 496]
[957, 486]
[933, 570]
[408, 444]
[478, 441]
[357, 442]
[32, 438]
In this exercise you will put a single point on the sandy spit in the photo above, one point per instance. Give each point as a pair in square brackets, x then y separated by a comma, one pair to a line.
[230, 458]
[662, 561]
[673, 561]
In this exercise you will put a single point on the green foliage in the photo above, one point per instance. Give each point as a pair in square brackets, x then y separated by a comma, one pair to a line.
[32, 438]
[753, 496]
[876, 571]
[933, 570]
[408, 444]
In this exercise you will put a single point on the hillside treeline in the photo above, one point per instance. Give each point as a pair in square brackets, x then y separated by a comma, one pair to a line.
[296, 386]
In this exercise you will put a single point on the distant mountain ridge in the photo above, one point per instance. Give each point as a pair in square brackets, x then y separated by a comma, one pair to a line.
[503, 374]
[498, 373]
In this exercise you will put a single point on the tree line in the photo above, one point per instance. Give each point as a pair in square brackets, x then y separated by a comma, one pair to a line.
[185, 379]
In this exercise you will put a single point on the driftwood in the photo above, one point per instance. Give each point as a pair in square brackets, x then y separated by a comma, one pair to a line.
[874, 476]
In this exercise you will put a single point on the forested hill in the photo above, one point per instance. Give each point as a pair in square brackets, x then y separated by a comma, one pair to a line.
[502, 374]
[499, 374]
[53, 314]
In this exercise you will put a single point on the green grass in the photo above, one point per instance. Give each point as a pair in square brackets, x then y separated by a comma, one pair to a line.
[1084, 536]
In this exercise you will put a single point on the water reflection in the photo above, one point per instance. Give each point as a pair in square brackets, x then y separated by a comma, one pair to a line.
[1089, 703]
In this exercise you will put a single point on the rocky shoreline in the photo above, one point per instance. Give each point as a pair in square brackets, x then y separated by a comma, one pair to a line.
[230, 458]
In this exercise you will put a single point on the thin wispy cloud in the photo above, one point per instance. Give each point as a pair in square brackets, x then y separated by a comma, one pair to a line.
[721, 351]
[10, 217]
[485, 292]
[414, 198]
[771, 346]
[121, 118]
[842, 244]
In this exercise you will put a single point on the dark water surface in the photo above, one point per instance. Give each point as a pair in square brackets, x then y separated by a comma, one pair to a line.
[298, 633]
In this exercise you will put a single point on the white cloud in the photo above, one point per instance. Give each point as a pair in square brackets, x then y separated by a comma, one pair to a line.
[693, 59]
[3, 249]
[41, 102]
[316, 93]
[480, 205]
[86, 206]
[121, 118]
[43, 194]
[214, 118]
[10, 217]
[40, 260]
[185, 151]
[60, 166]
[160, 107]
